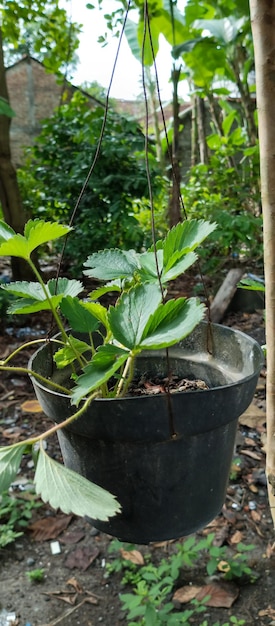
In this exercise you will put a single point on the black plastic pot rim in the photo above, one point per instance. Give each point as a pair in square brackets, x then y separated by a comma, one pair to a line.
[144, 397]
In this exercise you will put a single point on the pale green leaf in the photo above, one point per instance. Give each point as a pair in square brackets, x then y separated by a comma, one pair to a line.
[228, 121]
[183, 238]
[130, 315]
[70, 492]
[99, 311]
[148, 265]
[111, 264]
[33, 295]
[107, 360]
[113, 286]
[66, 355]
[26, 305]
[78, 316]
[5, 108]
[252, 284]
[65, 286]
[10, 459]
[36, 232]
[15, 246]
[179, 267]
[6, 232]
[172, 321]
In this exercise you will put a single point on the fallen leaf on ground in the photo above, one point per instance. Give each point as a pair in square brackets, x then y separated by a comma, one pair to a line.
[49, 527]
[186, 594]
[73, 582]
[253, 417]
[270, 550]
[132, 555]
[252, 455]
[220, 595]
[70, 597]
[236, 537]
[269, 612]
[31, 406]
[256, 516]
[221, 534]
[81, 558]
[72, 537]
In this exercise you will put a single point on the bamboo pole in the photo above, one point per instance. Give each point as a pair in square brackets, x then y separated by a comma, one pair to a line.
[263, 31]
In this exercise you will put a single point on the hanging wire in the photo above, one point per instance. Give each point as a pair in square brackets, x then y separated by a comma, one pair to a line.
[99, 144]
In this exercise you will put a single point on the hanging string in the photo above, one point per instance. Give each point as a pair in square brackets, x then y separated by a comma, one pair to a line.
[99, 144]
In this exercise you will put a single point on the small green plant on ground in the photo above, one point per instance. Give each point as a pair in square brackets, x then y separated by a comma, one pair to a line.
[15, 514]
[36, 575]
[149, 601]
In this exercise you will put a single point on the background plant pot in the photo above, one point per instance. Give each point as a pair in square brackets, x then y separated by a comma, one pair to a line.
[168, 486]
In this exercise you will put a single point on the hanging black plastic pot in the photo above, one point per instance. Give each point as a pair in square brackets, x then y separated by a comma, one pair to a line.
[166, 458]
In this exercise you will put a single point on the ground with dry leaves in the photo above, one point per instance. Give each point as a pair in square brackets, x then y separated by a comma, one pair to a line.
[76, 589]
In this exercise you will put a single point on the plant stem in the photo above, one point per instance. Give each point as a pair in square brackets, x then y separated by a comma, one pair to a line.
[53, 310]
[126, 377]
[46, 381]
[28, 344]
[63, 424]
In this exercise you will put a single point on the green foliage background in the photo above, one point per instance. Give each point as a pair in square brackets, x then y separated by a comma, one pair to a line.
[117, 191]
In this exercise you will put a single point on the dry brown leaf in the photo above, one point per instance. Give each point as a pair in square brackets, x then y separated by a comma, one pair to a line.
[31, 406]
[65, 596]
[261, 384]
[132, 555]
[75, 584]
[250, 442]
[269, 612]
[270, 550]
[256, 516]
[236, 537]
[253, 488]
[221, 534]
[252, 455]
[186, 594]
[81, 558]
[72, 537]
[253, 417]
[91, 599]
[222, 595]
[49, 527]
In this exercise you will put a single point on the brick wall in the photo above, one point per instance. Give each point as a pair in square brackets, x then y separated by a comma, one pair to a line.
[34, 94]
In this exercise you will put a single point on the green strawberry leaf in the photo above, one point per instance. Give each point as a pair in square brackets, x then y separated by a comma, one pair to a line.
[148, 265]
[72, 493]
[130, 315]
[113, 286]
[179, 267]
[66, 355]
[112, 264]
[171, 322]
[36, 232]
[34, 298]
[6, 232]
[184, 238]
[10, 459]
[106, 361]
[78, 316]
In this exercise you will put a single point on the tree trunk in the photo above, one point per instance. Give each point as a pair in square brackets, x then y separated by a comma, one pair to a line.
[174, 212]
[263, 30]
[201, 130]
[10, 199]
